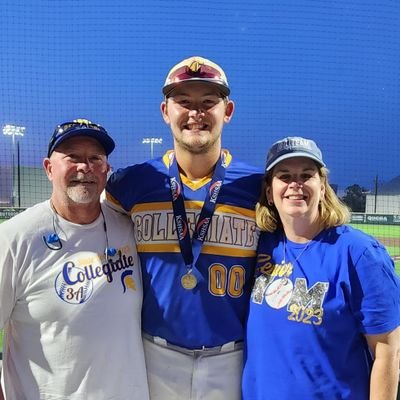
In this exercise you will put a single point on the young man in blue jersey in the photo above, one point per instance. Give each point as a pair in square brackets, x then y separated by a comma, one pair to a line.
[194, 222]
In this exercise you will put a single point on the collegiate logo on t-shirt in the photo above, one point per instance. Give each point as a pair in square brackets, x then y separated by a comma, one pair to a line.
[76, 281]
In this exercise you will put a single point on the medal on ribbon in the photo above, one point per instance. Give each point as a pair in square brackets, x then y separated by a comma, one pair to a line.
[191, 248]
[189, 281]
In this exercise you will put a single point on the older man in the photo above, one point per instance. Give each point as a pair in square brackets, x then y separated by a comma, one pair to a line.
[70, 283]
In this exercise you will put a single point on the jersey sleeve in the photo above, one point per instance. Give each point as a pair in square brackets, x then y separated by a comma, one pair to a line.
[113, 193]
[376, 290]
[130, 186]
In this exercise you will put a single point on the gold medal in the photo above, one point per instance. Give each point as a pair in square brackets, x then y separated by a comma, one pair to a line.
[188, 281]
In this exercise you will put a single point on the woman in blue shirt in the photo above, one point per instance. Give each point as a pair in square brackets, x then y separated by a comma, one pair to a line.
[325, 308]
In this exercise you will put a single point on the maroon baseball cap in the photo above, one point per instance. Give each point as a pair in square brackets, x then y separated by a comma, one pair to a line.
[196, 69]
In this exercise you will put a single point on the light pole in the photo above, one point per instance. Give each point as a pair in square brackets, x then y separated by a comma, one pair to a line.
[151, 141]
[376, 193]
[15, 131]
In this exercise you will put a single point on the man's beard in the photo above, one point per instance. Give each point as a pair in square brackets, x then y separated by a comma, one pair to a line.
[81, 195]
[81, 192]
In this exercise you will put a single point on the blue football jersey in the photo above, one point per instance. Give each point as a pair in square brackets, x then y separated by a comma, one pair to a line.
[212, 313]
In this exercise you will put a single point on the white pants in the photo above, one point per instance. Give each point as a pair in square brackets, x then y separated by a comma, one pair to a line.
[207, 375]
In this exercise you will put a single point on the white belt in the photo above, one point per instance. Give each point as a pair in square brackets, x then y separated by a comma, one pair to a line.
[225, 348]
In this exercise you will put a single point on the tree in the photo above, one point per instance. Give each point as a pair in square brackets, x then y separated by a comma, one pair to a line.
[355, 198]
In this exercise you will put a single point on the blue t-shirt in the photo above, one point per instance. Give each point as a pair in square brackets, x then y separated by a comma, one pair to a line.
[309, 311]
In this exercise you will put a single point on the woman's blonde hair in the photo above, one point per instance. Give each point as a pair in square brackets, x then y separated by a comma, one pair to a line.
[332, 211]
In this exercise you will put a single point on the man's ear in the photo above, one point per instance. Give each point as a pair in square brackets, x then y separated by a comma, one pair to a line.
[48, 168]
[229, 109]
[164, 111]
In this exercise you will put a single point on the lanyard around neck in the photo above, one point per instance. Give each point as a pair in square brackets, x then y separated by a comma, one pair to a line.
[190, 249]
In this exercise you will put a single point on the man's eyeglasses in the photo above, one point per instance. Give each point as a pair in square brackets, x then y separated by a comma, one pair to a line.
[67, 127]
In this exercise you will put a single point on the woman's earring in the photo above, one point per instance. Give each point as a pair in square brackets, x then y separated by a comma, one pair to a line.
[270, 203]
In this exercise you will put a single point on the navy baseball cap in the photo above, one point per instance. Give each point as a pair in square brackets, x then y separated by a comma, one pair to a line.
[290, 147]
[196, 69]
[80, 127]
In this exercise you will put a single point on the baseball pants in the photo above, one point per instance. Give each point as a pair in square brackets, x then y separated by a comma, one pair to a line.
[176, 373]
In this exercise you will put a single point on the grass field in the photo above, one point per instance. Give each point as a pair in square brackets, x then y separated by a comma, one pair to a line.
[389, 235]
[379, 230]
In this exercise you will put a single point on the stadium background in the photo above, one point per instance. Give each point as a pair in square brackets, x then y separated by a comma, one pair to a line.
[323, 70]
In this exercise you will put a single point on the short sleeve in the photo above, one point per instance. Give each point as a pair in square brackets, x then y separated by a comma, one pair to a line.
[376, 290]
[7, 282]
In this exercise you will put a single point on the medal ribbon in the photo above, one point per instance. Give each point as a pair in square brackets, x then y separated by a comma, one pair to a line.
[190, 249]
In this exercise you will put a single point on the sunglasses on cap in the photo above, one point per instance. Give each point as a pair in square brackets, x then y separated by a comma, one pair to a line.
[203, 72]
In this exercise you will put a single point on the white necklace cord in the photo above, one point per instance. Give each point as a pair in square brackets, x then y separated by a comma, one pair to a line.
[301, 253]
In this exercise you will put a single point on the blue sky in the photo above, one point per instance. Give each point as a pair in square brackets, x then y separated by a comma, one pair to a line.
[323, 70]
